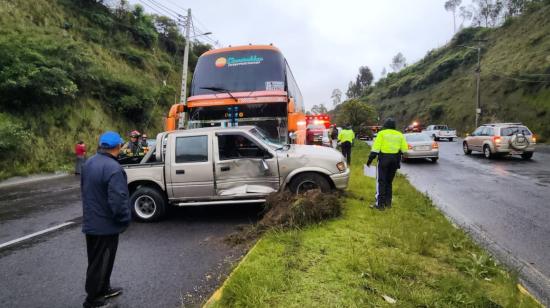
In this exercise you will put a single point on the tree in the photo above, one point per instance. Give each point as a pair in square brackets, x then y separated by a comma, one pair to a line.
[451, 6]
[465, 14]
[383, 73]
[355, 113]
[336, 97]
[488, 12]
[398, 62]
[362, 83]
[319, 109]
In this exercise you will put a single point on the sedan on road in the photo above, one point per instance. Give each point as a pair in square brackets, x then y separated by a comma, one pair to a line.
[421, 146]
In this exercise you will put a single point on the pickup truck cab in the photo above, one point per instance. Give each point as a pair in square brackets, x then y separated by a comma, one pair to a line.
[440, 132]
[227, 166]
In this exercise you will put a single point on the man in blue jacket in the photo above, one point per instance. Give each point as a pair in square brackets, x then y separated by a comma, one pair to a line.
[106, 214]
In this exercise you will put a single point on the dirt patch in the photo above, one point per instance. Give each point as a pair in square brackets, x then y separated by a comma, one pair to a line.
[287, 210]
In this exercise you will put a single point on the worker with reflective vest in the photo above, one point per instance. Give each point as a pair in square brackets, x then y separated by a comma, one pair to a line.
[346, 137]
[388, 146]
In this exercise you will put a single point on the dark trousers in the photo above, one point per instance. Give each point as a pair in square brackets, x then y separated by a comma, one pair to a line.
[346, 151]
[387, 167]
[101, 257]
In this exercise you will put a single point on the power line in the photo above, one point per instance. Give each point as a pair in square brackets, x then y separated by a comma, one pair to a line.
[166, 8]
[156, 9]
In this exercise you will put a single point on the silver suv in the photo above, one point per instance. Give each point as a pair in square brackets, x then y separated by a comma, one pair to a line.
[501, 139]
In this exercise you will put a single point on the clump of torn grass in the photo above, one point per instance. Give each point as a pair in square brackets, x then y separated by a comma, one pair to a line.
[284, 210]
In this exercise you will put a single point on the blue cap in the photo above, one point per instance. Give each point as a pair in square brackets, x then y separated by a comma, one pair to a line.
[110, 140]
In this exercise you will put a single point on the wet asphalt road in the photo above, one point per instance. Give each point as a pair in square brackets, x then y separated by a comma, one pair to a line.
[504, 203]
[176, 262]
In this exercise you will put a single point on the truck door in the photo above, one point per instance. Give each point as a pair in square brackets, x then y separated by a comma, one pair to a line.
[191, 174]
[243, 166]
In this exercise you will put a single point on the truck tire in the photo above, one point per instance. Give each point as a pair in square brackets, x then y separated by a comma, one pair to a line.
[308, 181]
[435, 137]
[451, 139]
[147, 204]
[434, 159]
[465, 148]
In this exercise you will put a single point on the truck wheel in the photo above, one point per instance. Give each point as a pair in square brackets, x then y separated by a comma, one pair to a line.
[467, 151]
[434, 159]
[451, 139]
[147, 204]
[309, 181]
[487, 152]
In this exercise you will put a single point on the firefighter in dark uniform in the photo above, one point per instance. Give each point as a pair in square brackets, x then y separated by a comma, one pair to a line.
[388, 147]
[134, 146]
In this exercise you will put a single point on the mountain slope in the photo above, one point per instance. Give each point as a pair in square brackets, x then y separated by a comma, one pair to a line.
[70, 69]
[515, 79]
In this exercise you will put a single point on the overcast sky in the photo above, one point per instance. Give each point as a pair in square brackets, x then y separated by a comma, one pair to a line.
[324, 41]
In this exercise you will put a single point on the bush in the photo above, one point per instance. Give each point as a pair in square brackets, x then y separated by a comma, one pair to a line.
[12, 135]
[38, 71]
[436, 111]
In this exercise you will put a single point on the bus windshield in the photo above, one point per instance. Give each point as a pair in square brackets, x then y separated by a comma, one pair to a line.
[239, 71]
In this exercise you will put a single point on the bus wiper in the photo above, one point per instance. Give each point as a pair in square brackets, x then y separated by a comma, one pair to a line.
[220, 90]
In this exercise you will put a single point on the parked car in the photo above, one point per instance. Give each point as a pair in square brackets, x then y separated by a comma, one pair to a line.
[227, 166]
[421, 146]
[438, 132]
[501, 139]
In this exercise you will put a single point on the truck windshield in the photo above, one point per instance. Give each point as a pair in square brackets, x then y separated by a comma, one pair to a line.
[260, 134]
[239, 71]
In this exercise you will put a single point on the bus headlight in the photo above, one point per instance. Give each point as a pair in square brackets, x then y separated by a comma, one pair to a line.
[341, 166]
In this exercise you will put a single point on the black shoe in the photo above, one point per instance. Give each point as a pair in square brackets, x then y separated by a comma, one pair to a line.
[376, 207]
[112, 292]
[388, 206]
[98, 303]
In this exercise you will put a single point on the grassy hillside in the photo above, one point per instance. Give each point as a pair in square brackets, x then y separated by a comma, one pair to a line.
[71, 69]
[515, 79]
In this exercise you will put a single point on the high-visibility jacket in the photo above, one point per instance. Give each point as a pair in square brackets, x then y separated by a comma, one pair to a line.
[346, 135]
[389, 141]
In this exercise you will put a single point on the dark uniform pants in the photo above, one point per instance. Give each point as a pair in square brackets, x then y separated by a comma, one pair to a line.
[346, 151]
[387, 167]
[101, 257]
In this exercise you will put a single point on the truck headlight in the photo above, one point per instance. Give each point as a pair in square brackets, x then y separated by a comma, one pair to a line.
[341, 166]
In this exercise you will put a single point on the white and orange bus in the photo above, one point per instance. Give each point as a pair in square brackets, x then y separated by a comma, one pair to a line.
[244, 85]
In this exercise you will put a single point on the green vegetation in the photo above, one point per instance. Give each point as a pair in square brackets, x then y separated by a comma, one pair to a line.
[71, 69]
[410, 253]
[515, 78]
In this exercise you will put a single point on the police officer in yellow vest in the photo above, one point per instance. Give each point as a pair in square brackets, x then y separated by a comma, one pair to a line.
[388, 147]
[346, 137]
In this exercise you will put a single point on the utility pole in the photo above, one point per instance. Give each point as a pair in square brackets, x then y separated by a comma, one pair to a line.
[183, 96]
[478, 79]
[478, 73]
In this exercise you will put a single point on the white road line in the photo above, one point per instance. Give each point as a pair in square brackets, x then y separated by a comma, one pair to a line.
[26, 237]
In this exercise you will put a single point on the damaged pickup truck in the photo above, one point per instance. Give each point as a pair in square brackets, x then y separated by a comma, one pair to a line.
[227, 166]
